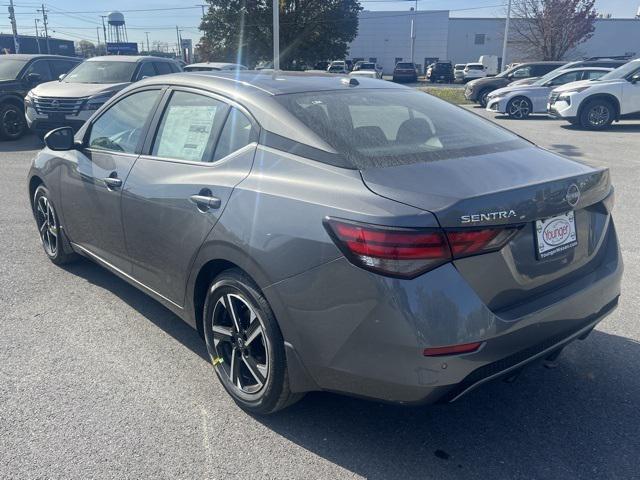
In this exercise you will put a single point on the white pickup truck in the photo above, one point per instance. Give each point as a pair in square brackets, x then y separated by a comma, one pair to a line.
[595, 104]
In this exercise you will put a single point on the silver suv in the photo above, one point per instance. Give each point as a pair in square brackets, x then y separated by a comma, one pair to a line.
[74, 97]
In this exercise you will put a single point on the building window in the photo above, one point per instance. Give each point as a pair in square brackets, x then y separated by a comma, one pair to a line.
[479, 40]
[373, 59]
[398, 59]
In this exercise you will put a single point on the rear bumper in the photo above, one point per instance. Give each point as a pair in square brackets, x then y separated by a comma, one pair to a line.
[365, 334]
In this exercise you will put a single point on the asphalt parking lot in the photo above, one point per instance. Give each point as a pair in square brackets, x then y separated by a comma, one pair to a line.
[99, 381]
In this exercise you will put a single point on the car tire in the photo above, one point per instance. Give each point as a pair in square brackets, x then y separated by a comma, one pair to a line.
[519, 108]
[245, 344]
[13, 125]
[482, 97]
[52, 236]
[597, 114]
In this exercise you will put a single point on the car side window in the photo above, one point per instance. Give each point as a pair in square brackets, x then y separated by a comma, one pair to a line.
[237, 133]
[146, 70]
[188, 127]
[566, 78]
[593, 74]
[163, 68]
[58, 67]
[41, 67]
[522, 72]
[120, 128]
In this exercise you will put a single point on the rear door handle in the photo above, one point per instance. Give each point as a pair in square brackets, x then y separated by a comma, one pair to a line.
[205, 202]
[112, 183]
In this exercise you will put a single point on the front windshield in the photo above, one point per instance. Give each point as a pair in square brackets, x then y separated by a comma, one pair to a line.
[101, 72]
[10, 68]
[622, 71]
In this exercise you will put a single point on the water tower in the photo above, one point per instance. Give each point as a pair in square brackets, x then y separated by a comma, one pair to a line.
[117, 28]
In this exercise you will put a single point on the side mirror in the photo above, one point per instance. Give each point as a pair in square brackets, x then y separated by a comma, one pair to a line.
[510, 76]
[635, 78]
[33, 78]
[60, 139]
[62, 76]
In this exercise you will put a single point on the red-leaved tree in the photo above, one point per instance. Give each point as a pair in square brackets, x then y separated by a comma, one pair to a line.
[548, 29]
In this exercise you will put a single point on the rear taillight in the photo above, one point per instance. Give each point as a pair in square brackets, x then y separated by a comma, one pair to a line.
[399, 252]
[467, 242]
[409, 252]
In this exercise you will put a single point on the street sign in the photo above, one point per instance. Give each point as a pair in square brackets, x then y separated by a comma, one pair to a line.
[122, 48]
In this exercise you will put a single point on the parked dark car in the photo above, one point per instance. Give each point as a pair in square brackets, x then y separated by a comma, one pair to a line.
[325, 234]
[405, 72]
[441, 72]
[321, 66]
[18, 75]
[477, 90]
[72, 99]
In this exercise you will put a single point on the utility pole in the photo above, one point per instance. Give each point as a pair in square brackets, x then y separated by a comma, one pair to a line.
[506, 38]
[203, 6]
[179, 41]
[35, 20]
[276, 35]
[98, 34]
[104, 30]
[44, 21]
[14, 28]
[413, 40]
[147, 34]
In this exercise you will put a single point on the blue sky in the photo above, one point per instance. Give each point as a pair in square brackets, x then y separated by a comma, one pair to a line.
[76, 20]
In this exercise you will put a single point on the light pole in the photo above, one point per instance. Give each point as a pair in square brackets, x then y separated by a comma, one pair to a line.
[506, 37]
[276, 35]
[147, 34]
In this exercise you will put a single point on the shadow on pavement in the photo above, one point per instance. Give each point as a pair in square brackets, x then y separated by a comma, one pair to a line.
[567, 150]
[580, 420]
[26, 143]
[622, 127]
[152, 310]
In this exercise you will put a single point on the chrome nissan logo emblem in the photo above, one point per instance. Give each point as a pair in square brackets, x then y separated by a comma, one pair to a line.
[573, 195]
[55, 103]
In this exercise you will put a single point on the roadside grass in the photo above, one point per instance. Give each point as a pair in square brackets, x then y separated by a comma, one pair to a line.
[452, 95]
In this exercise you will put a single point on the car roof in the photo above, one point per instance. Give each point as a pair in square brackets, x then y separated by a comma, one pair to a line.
[256, 82]
[546, 62]
[580, 69]
[128, 58]
[25, 56]
[215, 64]
[257, 91]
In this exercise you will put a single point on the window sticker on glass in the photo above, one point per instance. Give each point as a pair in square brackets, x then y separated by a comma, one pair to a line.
[190, 128]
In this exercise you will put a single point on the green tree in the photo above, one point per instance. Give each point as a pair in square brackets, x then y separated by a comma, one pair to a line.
[310, 30]
[86, 48]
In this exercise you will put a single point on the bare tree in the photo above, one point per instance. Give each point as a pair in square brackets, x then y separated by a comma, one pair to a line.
[548, 29]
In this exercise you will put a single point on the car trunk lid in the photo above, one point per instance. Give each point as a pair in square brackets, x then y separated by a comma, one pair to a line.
[511, 188]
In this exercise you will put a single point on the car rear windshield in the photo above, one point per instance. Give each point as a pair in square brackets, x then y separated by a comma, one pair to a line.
[101, 72]
[10, 68]
[377, 128]
[367, 66]
[404, 65]
[476, 66]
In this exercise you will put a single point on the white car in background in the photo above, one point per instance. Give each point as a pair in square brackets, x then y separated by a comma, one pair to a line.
[474, 70]
[458, 72]
[595, 105]
[365, 74]
[520, 101]
[369, 67]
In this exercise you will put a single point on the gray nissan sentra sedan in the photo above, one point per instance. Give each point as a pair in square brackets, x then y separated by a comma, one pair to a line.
[327, 233]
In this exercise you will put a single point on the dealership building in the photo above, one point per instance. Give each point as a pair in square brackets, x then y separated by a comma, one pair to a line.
[386, 37]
